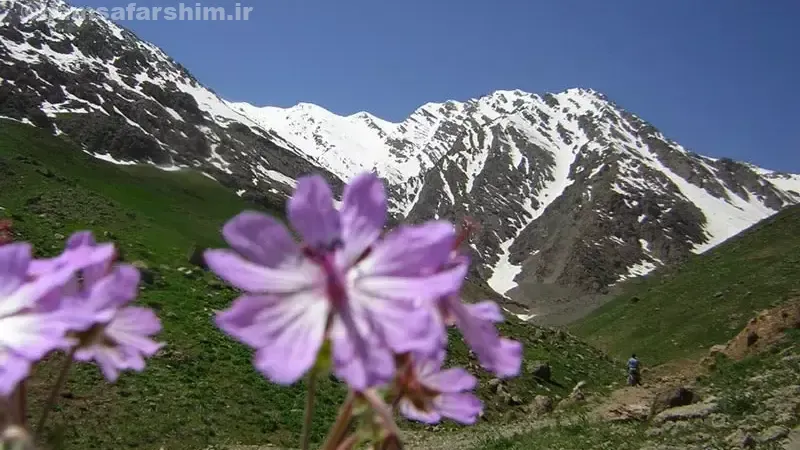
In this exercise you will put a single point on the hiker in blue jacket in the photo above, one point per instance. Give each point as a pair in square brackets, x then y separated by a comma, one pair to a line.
[633, 371]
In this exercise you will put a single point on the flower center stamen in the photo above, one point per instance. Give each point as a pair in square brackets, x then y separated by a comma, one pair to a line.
[334, 280]
[95, 336]
[413, 390]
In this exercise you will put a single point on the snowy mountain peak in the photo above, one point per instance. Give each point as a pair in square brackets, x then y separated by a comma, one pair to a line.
[402, 152]
[32, 10]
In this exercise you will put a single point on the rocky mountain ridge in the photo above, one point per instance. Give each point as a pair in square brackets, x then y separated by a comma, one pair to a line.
[76, 72]
[573, 193]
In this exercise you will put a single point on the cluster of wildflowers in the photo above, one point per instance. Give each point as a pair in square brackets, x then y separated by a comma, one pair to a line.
[371, 306]
[77, 302]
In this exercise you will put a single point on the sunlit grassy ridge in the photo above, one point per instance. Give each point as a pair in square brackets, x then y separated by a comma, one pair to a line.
[201, 389]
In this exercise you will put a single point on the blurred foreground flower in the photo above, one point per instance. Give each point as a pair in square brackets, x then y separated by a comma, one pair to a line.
[476, 322]
[95, 304]
[346, 283]
[26, 333]
[427, 393]
[376, 298]
[77, 301]
[114, 335]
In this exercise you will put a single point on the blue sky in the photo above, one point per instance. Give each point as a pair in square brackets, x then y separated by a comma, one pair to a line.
[722, 77]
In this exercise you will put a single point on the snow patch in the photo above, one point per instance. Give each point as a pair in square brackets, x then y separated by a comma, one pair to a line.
[522, 317]
[108, 158]
[504, 272]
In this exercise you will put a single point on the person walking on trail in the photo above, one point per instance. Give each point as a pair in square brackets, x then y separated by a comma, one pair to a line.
[633, 371]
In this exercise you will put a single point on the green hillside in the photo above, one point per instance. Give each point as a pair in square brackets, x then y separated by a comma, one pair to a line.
[201, 389]
[679, 312]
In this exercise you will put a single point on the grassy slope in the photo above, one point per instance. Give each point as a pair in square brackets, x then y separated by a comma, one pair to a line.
[682, 311]
[201, 389]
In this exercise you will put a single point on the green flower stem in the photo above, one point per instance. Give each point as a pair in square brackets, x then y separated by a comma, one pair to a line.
[349, 442]
[57, 386]
[339, 428]
[309, 413]
[21, 398]
[23, 403]
[14, 407]
[385, 413]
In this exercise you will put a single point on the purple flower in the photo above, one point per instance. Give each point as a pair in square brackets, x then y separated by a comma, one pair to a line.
[428, 393]
[348, 284]
[80, 251]
[476, 322]
[111, 333]
[94, 304]
[26, 333]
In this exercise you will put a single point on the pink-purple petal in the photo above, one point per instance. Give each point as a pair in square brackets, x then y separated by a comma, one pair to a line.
[130, 331]
[361, 358]
[486, 310]
[80, 238]
[312, 213]
[460, 407]
[256, 319]
[241, 322]
[411, 250]
[496, 354]
[421, 288]
[451, 380]
[132, 326]
[114, 290]
[403, 325]
[32, 335]
[108, 359]
[508, 359]
[14, 261]
[412, 412]
[362, 372]
[28, 294]
[94, 260]
[254, 278]
[13, 369]
[260, 238]
[292, 351]
[363, 215]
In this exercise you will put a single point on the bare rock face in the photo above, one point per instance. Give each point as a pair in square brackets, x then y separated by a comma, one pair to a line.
[572, 193]
[541, 370]
[542, 404]
[672, 397]
[687, 412]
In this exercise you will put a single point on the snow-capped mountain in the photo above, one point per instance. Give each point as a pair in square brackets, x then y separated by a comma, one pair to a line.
[572, 192]
[78, 73]
[571, 189]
